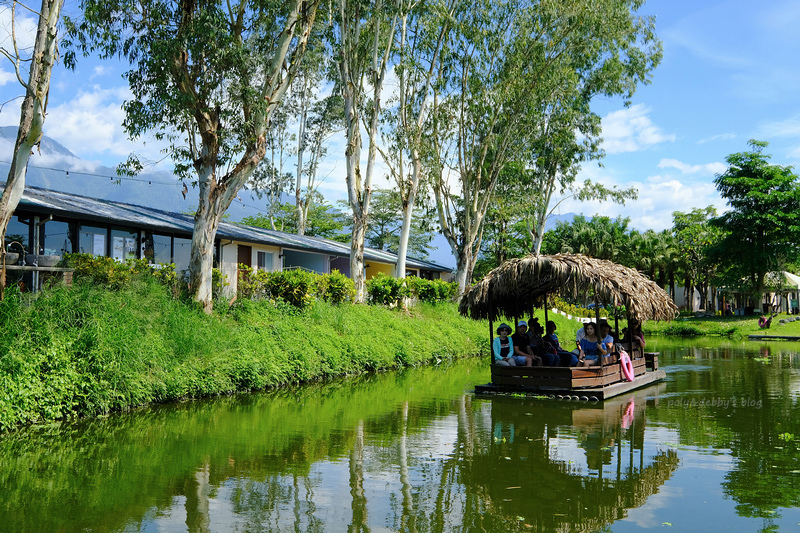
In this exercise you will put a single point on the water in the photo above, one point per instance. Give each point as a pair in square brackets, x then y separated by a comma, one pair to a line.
[712, 448]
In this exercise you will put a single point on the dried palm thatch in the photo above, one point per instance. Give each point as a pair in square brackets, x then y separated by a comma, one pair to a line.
[519, 285]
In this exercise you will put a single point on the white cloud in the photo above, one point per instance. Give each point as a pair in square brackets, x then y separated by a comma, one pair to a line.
[24, 28]
[90, 126]
[708, 168]
[780, 128]
[659, 197]
[631, 130]
[99, 70]
[720, 137]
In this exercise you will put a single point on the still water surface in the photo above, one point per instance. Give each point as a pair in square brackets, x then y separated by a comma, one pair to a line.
[714, 448]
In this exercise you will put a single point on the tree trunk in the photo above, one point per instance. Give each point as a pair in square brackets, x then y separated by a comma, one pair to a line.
[206, 222]
[31, 123]
[408, 213]
[301, 145]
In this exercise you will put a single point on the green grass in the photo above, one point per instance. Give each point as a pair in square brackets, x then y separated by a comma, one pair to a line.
[733, 326]
[86, 351]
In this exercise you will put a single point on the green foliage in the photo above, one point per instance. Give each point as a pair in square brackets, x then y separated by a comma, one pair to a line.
[387, 290]
[336, 288]
[296, 287]
[323, 220]
[431, 291]
[762, 228]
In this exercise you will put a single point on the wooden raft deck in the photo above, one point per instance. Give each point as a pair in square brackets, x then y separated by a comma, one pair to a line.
[590, 383]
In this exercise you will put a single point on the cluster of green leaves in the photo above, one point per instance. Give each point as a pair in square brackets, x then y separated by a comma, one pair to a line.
[110, 273]
[323, 220]
[296, 287]
[388, 290]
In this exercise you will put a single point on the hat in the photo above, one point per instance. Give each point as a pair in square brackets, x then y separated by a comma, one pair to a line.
[522, 323]
[502, 327]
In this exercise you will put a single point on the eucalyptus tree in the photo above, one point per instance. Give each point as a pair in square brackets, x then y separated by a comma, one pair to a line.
[317, 117]
[424, 32]
[33, 108]
[207, 76]
[321, 121]
[362, 43]
[386, 220]
[507, 62]
[269, 181]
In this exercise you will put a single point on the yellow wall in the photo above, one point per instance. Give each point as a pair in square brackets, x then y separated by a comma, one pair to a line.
[374, 268]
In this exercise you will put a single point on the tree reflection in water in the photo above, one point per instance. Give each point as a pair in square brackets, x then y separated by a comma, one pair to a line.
[412, 452]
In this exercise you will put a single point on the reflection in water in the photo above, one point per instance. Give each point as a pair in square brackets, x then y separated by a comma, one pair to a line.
[412, 452]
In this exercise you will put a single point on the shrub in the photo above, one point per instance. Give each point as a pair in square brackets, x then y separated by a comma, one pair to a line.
[431, 291]
[386, 290]
[292, 286]
[335, 288]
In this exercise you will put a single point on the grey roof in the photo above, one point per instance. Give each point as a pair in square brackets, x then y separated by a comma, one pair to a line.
[94, 209]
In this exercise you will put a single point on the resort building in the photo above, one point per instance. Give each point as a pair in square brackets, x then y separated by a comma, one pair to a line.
[67, 223]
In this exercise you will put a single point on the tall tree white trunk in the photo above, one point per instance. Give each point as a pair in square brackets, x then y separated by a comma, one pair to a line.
[352, 69]
[33, 109]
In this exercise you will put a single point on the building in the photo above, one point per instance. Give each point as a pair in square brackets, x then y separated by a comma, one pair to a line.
[68, 223]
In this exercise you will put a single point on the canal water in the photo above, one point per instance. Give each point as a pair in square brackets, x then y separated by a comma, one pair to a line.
[714, 448]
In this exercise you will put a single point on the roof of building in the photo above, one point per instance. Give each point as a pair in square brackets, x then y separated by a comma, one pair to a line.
[95, 209]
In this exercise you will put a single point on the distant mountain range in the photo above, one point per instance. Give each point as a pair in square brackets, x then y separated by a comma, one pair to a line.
[55, 167]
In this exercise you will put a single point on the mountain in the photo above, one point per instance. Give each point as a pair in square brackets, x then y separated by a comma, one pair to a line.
[55, 167]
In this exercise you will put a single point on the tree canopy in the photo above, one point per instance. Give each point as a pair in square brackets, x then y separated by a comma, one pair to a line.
[762, 228]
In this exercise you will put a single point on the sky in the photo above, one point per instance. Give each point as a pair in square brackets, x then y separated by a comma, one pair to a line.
[729, 74]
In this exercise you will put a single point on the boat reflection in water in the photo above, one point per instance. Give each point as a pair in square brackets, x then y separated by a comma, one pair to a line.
[568, 465]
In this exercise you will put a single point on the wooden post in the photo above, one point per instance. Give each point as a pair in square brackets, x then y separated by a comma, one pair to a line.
[597, 327]
[491, 327]
[545, 313]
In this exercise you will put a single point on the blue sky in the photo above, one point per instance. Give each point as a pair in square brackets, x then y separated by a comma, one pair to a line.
[729, 73]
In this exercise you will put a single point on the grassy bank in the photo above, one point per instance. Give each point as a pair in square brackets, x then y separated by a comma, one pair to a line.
[87, 351]
[732, 326]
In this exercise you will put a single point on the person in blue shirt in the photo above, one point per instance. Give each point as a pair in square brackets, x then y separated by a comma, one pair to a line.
[503, 347]
[592, 348]
[565, 358]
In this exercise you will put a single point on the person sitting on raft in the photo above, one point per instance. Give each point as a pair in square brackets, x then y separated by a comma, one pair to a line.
[633, 333]
[608, 339]
[538, 345]
[503, 348]
[565, 358]
[591, 347]
[522, 347]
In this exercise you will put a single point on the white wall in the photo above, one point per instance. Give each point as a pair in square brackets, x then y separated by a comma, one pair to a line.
[230, 257]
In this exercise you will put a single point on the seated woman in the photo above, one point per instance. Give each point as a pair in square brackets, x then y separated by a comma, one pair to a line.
[633, 333]
[565, 358]
[537, 345]
[591, 347]
[503, 348]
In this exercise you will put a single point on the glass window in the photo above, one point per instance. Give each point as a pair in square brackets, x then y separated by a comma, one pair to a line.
[18, 231]
[56, 237]
[123, 244]
[92, 240]
[158, 248]
[182, 253]
[265, 260]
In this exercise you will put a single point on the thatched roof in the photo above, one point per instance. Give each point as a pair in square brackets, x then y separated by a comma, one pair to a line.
[519, 285]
